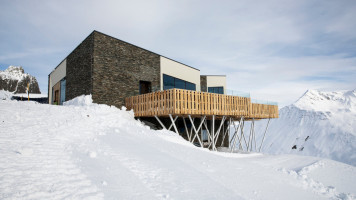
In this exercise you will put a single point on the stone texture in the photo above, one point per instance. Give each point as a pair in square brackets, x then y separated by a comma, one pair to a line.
[118, 68]
[203, 84]
[79, 69]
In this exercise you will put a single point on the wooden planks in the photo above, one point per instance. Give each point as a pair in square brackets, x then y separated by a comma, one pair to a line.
[187, 102]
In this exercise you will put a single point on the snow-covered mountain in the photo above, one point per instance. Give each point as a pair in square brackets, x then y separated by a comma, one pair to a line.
[88, 151]
[14, 79]
[321, 124]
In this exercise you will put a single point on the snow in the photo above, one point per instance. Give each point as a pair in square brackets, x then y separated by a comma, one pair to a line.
[31, 95]
[321, 124]
[5, 95]
[88, 151]
[13, 73]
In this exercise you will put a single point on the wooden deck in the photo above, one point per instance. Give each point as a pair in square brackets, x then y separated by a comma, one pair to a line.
[186, 102]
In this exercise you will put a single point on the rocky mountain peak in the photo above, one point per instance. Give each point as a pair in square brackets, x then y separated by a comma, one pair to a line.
[14, 79]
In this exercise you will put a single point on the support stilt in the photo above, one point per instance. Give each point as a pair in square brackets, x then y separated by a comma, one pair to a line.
[186, 129]
[159, 121]
[173, 123]
[236, 136]
[264, 135]
[226, 131]
[197, 130]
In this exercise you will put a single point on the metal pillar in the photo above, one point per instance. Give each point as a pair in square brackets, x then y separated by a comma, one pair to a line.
[197, 130]
[264, 135]
[159, 121]
[186, 129]
[173, 121]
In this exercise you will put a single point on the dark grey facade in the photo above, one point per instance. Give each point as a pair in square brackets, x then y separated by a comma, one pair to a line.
[203, 84]
[109, 69]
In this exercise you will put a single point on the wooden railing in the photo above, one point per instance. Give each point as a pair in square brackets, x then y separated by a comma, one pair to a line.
[263, 111]
[187, 102]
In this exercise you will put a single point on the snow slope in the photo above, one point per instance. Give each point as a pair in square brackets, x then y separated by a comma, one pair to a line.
[5, 95]
[89, 151]
[321, 124]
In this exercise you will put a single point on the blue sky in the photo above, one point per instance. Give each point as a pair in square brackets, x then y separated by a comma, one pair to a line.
[276, 50]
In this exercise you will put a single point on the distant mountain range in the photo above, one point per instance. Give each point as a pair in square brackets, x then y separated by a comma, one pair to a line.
[321, 124]
[14, 79]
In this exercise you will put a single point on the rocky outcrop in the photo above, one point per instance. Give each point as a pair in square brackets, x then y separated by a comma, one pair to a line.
[14, 79]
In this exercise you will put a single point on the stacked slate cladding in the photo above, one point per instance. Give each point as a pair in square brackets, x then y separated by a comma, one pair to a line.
[109, 69]
[203, 84]
[14, 79]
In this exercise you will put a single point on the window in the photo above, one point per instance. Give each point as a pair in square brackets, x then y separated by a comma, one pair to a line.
[190, 86]
[63, 91]
[178, 83]
[217, 90]
[145, 87]
[170, 82]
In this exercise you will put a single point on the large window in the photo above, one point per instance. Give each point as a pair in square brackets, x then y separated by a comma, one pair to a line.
[63, 91]
[170, 82]
[217, 90]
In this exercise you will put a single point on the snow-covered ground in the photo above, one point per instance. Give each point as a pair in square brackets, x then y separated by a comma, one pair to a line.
[88, 151]
[321, 124]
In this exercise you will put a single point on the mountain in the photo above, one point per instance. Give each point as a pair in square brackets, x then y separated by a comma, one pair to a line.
[83, 150]
[14, 79]
[321, 124]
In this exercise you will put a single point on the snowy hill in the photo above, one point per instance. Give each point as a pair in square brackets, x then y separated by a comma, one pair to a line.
[321, 124]
[88, 151]
[14, 79]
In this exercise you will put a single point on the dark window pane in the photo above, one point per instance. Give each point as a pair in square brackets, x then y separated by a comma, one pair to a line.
[179, 83]
[190, 86]
[168, 82]
[63, 91]
[217, 90]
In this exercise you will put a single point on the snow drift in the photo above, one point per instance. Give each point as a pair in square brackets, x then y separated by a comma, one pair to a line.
[321, 124]
[90, 151]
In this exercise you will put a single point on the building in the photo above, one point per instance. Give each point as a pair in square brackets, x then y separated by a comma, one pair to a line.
[118, 73]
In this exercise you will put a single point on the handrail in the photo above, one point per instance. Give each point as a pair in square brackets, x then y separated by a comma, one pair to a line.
[187, 102]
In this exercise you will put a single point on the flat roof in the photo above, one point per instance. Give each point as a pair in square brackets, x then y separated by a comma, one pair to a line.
[145, 49]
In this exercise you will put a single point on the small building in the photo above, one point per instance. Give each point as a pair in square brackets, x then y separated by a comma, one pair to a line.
[39, 98]
[118, 73]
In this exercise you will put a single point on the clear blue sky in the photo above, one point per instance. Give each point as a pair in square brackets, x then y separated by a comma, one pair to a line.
[275, 50]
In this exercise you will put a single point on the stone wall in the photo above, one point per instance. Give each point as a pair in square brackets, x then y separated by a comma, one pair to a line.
[118, 68]
[203, 84]
[79, 69]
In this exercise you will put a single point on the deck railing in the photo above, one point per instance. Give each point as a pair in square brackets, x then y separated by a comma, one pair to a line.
[187, 102]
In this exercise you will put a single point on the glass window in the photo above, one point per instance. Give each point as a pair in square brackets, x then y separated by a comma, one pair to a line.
[168, 82]
[216, 90]
[63, 91]
[178, 83]
[190, 86]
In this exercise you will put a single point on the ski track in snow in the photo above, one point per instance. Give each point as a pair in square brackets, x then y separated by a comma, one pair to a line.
[99, 152]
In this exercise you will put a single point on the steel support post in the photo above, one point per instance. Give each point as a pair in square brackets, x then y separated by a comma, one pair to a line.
[173, 123]
[264, 135]
[236, 136]
[159, 121]
[186, 129]
[226, 131]
[197, 130]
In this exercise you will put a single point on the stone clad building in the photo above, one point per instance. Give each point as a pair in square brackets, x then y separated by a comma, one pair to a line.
[162, 92]
[111, 70]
